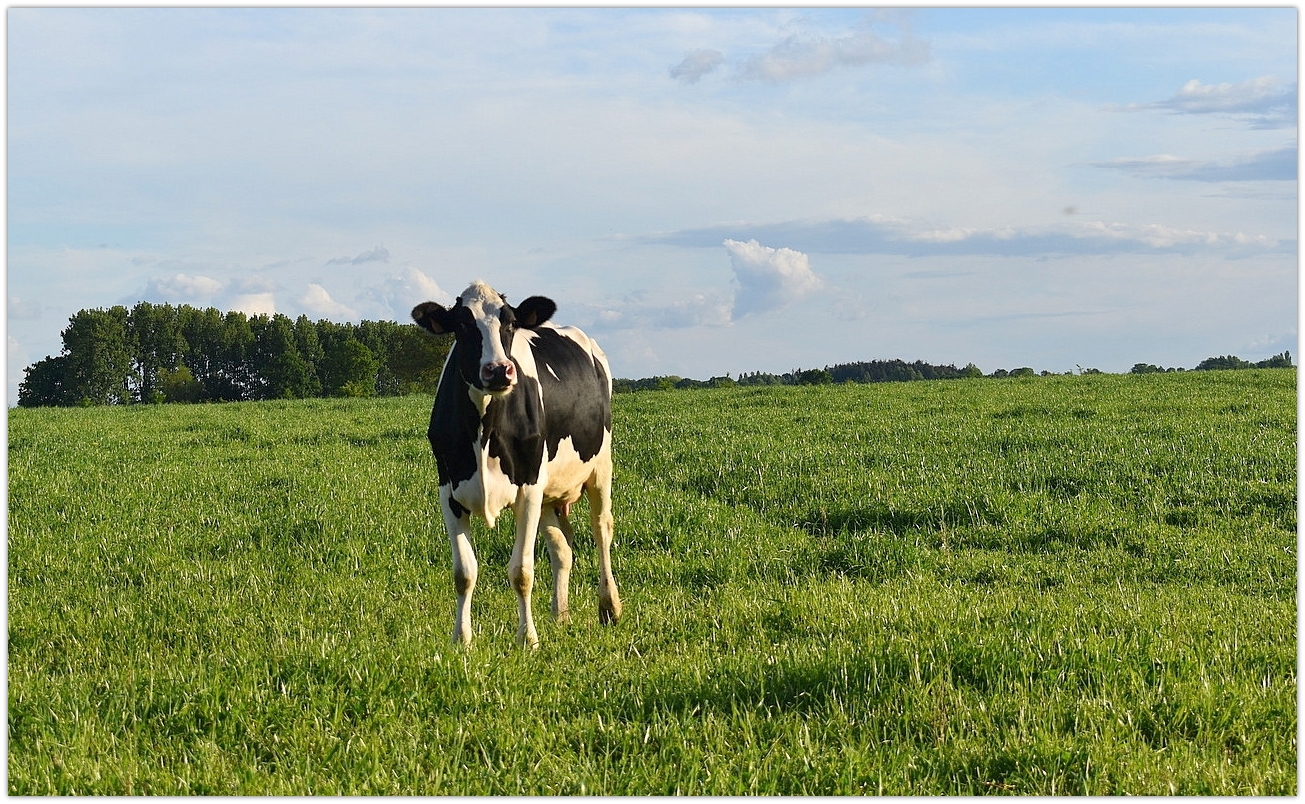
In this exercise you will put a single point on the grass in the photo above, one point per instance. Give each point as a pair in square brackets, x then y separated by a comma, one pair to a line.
[1053, 585]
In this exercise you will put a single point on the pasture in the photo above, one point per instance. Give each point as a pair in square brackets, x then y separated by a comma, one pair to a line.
[1039, 586]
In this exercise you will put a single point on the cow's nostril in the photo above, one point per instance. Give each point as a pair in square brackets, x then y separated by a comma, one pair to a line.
[498, 374]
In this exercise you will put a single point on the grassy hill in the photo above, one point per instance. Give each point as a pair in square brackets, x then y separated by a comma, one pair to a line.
[1045, 585]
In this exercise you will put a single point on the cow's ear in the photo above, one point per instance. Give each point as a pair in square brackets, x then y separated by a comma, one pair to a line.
[432, 318]
[534, 311]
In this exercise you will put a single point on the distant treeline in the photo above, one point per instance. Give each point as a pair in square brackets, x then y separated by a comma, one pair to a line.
[901, 371]
[161, 353]
[155, 353]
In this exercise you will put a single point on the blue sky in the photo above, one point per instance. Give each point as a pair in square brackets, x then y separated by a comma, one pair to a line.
[704, 191]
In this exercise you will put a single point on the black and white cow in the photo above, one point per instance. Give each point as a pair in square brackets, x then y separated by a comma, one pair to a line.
[522, 418]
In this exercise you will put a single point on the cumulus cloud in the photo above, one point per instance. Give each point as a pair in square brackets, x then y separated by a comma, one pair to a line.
[396, 295]
[805, 54]
[251, 295]
[252, 304]
[697, 64]
[1275, 165]
[378, 254]
[182, 288]
[1265, 102]
[317, 301]
[768, 278]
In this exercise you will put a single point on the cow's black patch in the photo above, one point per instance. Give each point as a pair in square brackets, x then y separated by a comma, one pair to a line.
[512, 428]
[456, 508]
[577, 400]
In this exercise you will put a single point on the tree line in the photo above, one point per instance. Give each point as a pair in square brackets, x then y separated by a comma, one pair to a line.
[155, 353]
[901, 371]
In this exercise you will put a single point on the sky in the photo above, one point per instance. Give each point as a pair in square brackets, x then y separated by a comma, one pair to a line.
[704, 191]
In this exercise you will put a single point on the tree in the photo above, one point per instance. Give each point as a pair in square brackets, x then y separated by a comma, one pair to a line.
[280, 372]
[349, 369]
[814, 377]
[1222, 363]
[1277, 361]
[235, 377]
[45, 383]
[99, 357]
[310, 349]
[155, 338]
[201, 331]
[180, 385]
[416, 358]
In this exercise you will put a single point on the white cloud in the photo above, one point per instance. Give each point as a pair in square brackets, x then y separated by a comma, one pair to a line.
[806, 54]
[768, 278]
[1279, 164]
[1256, 95]
[317, 301]
[1266, 102]
[378, 254]
[182, 288]
[252, 304]
[395, 296]
[696, 64]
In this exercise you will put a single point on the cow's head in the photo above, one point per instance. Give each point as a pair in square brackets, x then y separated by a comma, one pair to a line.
[482, 324]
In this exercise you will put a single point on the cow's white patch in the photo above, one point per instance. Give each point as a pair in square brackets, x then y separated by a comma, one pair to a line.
[486, 305]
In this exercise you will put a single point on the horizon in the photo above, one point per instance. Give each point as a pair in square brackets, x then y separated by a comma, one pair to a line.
[704, 191]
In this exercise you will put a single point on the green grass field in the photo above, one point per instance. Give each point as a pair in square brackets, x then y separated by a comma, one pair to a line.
[1051, 585]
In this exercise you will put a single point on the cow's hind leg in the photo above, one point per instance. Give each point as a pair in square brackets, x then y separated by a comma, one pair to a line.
[557, 534]
[464, 564]
[600, 517]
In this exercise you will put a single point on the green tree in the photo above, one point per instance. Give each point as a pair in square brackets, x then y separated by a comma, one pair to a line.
[201, 332]
[349, 369]
[310, 349]
[234, 375]
[155, 337]
[180, 385]
[45, 383]
[416, 359]
[99, 356]
[1277, 361]
[1222, 363]
[814, 377]
[279, 371]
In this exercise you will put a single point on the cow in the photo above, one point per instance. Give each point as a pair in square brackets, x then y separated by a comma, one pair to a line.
[522, 419]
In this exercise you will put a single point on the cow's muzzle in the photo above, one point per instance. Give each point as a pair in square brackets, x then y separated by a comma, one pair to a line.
[499, 376]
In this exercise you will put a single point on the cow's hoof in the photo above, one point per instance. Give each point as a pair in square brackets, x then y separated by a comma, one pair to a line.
[609, 612]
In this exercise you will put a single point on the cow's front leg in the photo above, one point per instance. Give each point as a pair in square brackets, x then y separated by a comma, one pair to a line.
[557, 532]
[521, 569]
[464, 563]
